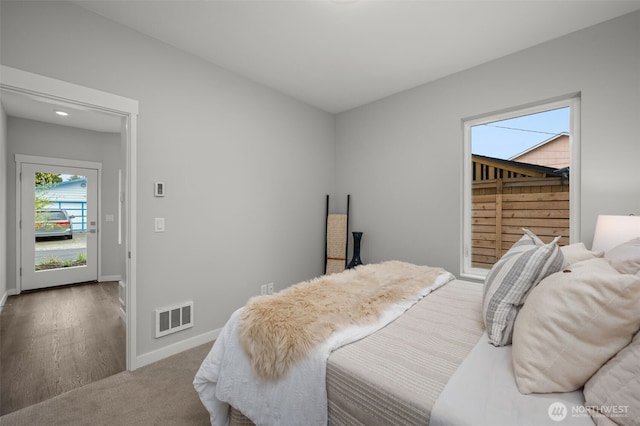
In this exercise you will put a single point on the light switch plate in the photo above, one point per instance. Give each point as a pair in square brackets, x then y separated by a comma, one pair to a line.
[159, 224]
[158, 189]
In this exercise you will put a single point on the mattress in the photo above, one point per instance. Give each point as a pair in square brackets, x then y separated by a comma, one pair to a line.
[394, 376]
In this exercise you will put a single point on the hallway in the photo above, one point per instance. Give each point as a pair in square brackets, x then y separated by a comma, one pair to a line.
[55, 340]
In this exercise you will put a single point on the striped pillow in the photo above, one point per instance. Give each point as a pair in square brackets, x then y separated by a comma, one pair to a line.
[510, 279]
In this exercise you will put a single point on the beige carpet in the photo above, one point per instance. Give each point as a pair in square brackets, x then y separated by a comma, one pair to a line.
[158, 394]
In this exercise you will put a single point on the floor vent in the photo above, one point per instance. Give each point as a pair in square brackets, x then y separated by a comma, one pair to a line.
[174, 318]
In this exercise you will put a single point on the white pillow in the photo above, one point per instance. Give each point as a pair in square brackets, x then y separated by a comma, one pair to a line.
[614, 391]
[571, 324]
[577, 252]
[625, 258]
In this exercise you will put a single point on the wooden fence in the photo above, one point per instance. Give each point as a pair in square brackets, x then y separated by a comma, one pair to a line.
[502, 207]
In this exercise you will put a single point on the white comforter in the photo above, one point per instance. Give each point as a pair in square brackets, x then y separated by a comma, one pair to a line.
[300, 397]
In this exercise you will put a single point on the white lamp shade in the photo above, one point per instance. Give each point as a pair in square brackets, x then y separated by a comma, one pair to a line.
[612, 231]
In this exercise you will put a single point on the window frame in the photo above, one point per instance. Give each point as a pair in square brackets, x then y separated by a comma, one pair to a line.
[573, 103]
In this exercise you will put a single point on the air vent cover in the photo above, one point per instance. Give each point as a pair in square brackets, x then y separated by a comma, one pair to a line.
[174, 318]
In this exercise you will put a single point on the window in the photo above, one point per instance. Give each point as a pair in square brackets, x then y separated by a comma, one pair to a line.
[521, 170]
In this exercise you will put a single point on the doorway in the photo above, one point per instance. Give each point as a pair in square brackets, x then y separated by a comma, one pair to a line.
[59, 222]
[50, 90]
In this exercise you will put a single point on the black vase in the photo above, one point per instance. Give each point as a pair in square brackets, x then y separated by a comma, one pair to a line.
[355, 261]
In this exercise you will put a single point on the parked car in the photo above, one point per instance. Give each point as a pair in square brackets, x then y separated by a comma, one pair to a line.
[53, 223]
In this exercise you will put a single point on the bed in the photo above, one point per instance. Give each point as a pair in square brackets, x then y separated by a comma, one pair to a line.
[434, 363]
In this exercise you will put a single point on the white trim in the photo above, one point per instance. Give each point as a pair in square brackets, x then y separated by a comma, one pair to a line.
[130, 218]
[18, 242]
[573, 102]
[120, 201]
[53, 161]
[104, 278]
[35, 85]
[575, 216]
[123, 303]
[176, 348]
[39, 86]
[9, 292]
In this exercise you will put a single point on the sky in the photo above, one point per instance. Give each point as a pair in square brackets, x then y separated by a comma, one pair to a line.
[506, 138]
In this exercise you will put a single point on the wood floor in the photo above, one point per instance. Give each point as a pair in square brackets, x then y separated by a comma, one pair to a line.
[55, 340]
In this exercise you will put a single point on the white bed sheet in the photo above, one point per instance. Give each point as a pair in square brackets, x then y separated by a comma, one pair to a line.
[483, 392]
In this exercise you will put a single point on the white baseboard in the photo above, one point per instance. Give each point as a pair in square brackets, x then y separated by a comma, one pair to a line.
[123, 315]
[10, 292]
[157, 355]
[3, 300]
[104, 278]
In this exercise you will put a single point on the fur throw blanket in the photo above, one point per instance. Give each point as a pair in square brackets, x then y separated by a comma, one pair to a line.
[277, 330]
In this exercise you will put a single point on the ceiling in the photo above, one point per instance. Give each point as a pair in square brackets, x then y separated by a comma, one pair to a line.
[337, 54]
[340, 54]
[39, 109]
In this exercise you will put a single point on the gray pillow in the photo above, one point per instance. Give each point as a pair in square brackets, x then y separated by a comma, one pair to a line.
[510, 279]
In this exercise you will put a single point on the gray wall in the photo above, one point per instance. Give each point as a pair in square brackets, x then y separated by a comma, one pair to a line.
[3, 203]
[30, 137]
[246, 168]
[401, 158]
[255, 165]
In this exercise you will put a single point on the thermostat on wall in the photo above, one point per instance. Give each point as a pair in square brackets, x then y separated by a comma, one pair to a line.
[158, 189]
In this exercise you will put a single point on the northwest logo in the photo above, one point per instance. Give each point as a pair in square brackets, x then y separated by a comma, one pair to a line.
[557, 411]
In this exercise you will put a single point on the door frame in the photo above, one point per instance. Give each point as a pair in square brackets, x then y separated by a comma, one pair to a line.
[51, 89]
[22, 159]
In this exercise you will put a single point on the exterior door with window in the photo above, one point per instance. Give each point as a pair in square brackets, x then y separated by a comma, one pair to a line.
[58, 225]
